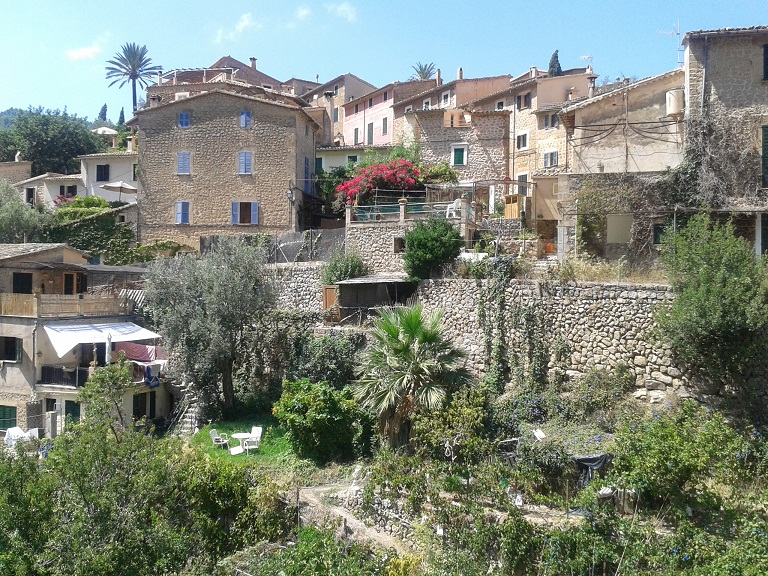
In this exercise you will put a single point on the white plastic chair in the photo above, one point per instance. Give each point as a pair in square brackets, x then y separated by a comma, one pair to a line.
[251, 444]
[219, 440]
[453, 209]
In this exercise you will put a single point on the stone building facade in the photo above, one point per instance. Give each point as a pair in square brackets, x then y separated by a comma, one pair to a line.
[220, 163]
[327, 101]
[16, 171]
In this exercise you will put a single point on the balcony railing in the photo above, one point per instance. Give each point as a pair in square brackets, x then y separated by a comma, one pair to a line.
[63, 306]
[64, 375]
[461, 210]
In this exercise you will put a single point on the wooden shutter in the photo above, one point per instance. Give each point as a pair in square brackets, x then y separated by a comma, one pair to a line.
[254, 212]
[765, 62]
[19, 350]
[235, 212]
[765, 156]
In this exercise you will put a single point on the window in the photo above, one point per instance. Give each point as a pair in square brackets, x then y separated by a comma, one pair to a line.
[426, 104]
[408, 109]
[22, 282]
[551, 121]
[68, 191]
[357, 108]
[446, 98]
[550, 159]
[30, 196]
[121, 218]
[398, 244]
[384, 126]
[370, 133]
[500, 105]
[765, 62]
[183, 163]
[765, 156]
[306, 130]
[336, 114]
[245, 213]
[318, 165]
[7, 417]
[184, 118]
[351, 159]
[336, 90]
[522, 187]
[244, 162]
[524, 101]
[522, 141]
[135, 173]
[386, 96]
[459, 155]
[370, 102]
[182, 212]
[245, 119]
[658, 233]
[357, 135]
[102, 172]
[11, 349]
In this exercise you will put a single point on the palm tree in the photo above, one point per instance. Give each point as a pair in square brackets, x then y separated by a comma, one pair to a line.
[410, 364]
[131, 63]
[423, 71]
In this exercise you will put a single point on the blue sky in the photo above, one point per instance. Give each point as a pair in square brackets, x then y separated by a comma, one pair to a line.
[54, 51]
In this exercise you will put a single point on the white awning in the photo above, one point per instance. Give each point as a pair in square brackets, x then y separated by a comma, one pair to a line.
[64, 337]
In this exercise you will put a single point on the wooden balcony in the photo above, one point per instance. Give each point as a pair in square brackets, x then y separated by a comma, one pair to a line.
[63, 306]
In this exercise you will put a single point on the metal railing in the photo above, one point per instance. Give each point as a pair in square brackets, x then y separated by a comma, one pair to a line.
[64, 375]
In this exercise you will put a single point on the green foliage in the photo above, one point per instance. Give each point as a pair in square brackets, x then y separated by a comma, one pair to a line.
[327, 182]
[598, 393]
[52, 140]
[132, 64]
[720, 312]
[102, 114]
[442, 173]
[315, 553]
[79, 208]
[343, 267]
[323, 423]
[19, 222]
[393, 475]
[423, 71]
[554, 65]
[120, 253]
[429, 245]
[203, 308]
[331, 358]
[670, 456]
[121, 118]
[410, 363]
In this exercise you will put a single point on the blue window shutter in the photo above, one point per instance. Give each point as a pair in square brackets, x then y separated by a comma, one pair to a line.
[235, 212]
[244, 162]
[179, 212]
[765, 157]
[185, 212]
[183, 162]
[245, 119]
[254, 212]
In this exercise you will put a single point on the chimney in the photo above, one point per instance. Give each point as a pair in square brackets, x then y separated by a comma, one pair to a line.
[129, 144]
[438, 80]
[534, 71]
[591, 87]
[253, 62]
[460, 74]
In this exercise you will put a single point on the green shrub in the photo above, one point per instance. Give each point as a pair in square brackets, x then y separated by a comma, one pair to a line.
[322, 423]
[343, 267]
[429, 245]
[718, 319]
[671, 456]
[329, 358]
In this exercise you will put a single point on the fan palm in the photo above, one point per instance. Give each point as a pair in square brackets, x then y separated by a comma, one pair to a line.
[410, 364]
[131, 63]
[423, 71]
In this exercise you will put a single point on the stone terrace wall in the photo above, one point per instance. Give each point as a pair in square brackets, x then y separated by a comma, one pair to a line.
[375, 243]
[606, 324]
[298, 286]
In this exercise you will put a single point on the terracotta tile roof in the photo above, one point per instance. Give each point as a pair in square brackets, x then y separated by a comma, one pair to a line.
[108, 154]
[322, 87]
[10, 251]
[725, 32]
[49, 176]
[587, 101]
[246, 73]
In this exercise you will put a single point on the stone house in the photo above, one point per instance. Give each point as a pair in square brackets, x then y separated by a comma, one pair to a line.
[97, 170]
[52, 331]
[327, 106]
[46, 189]
[16, 171]
[630, 128]
[219, 162]
[726, 83]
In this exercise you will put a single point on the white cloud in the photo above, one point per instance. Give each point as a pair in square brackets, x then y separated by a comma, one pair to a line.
[86, 53]
[344, 10]
[303, 13]
[245, 22]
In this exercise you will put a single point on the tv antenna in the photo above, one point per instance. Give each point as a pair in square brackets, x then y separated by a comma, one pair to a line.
[675, 32]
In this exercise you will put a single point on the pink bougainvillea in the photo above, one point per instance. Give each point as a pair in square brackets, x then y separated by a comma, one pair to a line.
[397, 174]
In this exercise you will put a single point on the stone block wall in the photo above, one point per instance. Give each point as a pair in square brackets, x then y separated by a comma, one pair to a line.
[16, 171]
[375, 242]
[299, 287]
[605, 324]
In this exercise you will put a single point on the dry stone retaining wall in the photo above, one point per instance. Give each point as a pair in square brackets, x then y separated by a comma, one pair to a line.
[298, 286]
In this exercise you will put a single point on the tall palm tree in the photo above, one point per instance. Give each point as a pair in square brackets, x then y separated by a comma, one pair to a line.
[410, 364]
[423, 71]
[131, 63]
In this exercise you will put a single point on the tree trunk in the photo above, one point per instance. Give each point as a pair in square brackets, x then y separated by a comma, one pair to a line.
[227, 388]
[133, 86]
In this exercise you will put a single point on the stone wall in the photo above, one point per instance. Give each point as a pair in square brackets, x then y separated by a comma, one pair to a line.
[605, 324]
[16, 171]
[298, 286]
[375, 242]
